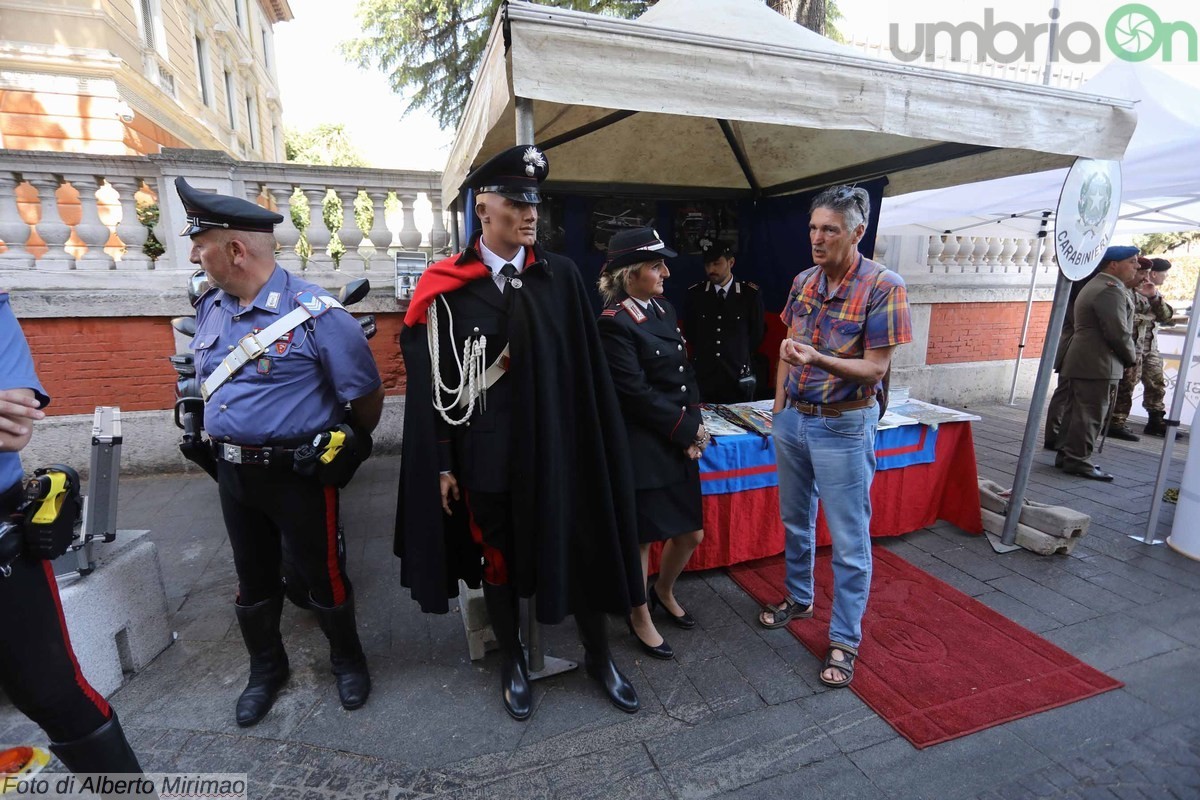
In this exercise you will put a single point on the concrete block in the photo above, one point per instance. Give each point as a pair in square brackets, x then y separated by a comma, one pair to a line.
[480, 637]
[1033, 540]
[117, 615]
[1059, 521]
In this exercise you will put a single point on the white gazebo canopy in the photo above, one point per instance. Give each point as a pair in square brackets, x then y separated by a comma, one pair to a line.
[1160, 172]
[726, 97]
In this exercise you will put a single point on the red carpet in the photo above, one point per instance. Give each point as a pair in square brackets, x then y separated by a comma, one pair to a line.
[935, 663]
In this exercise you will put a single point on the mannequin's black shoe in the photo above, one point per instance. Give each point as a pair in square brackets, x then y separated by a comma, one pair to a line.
[600, 666]
[346, 658]
[684, 620]
[504, 614]
[1123, 433]
[662, 651]
[104, 751]
[268, 661]
[1059, 460]
[1091, 472]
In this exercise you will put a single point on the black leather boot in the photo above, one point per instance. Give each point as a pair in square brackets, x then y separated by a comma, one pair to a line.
[346, 658]
[599, 663]
[1122, 432]
[504, 614]
[104, 751]
[1155, 426]
[268, 661]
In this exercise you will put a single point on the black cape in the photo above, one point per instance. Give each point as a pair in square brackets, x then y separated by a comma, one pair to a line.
[574, 521]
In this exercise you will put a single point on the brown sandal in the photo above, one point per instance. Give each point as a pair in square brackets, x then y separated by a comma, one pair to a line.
[846, 667]
[783, 613]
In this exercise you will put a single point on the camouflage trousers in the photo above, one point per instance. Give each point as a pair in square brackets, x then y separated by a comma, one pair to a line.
[1154, 382]
[1124, 402]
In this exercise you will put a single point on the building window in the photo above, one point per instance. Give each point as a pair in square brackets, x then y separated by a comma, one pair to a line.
[150, 26]
[266, 46]
[229, 100]
[239, 13]
[252, 120]
[202, 71]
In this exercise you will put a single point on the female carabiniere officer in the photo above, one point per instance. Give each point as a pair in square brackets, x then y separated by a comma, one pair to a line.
[657, 389]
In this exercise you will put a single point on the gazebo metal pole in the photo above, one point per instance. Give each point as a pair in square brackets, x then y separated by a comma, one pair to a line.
[1037, 257]
[1016, 501]
[1177, 400]
[540, 665]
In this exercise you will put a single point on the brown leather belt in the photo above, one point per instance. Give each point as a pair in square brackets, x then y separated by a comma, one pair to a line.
[831, 409]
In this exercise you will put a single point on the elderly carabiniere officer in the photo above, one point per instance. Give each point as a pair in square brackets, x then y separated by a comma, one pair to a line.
[659, 397]
[279, 361]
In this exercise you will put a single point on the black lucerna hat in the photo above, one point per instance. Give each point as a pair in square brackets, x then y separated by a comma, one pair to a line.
[513, 173]
[635, 245]
[712, 249]
[1160, 265]
[206, 210]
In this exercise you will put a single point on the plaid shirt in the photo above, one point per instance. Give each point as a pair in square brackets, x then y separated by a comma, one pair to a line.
[868, 310]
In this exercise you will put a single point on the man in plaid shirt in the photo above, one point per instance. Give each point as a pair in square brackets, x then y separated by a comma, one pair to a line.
[845, 317]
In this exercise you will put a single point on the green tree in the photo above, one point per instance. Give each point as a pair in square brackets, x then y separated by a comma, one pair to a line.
[1158, 243]
[430, 48]
[327, 145]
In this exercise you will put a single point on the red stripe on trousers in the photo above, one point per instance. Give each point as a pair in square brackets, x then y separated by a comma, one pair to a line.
[495, 568]
[88, 692]
[331, 542]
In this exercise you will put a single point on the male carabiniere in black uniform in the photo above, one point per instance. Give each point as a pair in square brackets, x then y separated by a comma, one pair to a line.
[724, 325]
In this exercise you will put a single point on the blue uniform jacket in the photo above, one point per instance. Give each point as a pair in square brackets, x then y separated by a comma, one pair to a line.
[16, 372]
[300, 385]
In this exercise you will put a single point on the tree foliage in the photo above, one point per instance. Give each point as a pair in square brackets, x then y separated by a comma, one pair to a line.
[1159, 243]
[430, 49]
[327, 145]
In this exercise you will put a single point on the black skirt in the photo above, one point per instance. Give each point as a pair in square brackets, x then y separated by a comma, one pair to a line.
[669, 511]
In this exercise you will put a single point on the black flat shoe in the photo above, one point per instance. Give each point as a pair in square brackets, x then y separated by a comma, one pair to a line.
[662, 651]
[684, 620]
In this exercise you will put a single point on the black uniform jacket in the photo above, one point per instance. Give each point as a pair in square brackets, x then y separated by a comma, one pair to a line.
[568, 466]
[724, 334]
[656, 386]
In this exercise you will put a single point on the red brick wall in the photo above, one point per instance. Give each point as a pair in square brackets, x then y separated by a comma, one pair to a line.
[87, 362]
[961, 332]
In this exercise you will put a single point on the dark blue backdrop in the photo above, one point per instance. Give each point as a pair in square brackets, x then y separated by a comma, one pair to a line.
[772, 247]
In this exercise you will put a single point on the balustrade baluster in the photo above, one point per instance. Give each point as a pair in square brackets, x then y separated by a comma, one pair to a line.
[439, 237]
[410, 237]
[950, 250]
[317, 233]
[286, 232]
[54, 232]
[352, 236]
[1008, 247]
[130, 230]
[90, 230]
[979, 253]
[14, 231]
[380, 236]
[1021, 256]
[992, 256]
[936, 247]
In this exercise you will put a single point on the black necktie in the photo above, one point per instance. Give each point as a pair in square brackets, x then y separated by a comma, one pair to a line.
[508, 271]
[721, 294]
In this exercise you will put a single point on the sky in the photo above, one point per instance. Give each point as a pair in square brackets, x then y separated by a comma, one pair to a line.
[318, 86]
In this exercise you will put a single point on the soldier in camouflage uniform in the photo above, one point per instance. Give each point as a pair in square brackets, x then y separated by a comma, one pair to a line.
[1154, 381]
[1146, 312]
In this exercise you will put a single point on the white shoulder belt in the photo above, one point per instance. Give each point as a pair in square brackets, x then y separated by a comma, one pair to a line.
[253, 345]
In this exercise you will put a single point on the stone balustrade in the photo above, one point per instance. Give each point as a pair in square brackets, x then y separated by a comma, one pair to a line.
[69, 225]
[998, 259]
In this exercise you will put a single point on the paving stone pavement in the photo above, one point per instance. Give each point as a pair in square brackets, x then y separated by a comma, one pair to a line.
[739, 712]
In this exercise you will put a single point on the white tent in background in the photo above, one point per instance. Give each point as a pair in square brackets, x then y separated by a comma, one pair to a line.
[1160, 172]
[726, 97]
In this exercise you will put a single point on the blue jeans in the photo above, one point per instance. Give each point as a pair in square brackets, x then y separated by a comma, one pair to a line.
[833, 457]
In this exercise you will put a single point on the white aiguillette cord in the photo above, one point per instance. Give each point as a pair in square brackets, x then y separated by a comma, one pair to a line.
[471, 385]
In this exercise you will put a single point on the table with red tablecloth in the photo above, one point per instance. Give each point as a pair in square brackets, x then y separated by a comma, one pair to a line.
[924, 474]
